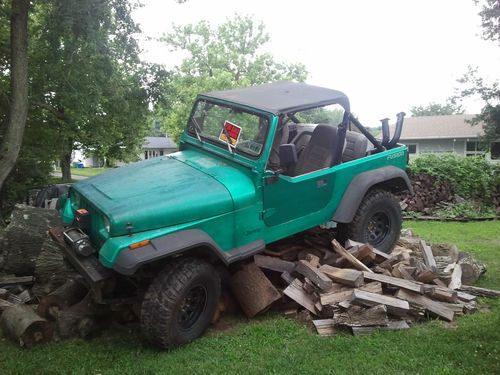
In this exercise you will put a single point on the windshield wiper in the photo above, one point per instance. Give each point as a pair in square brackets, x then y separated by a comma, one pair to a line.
[197, 129]
[228, 139]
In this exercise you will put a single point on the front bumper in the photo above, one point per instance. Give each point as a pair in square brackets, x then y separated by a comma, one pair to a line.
[89, 267]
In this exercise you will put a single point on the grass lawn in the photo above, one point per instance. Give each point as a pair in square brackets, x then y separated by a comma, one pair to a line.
[275, 345]
[87, 172]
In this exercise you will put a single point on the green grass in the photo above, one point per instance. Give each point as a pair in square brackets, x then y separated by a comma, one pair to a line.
[275, 345]
[87, 172]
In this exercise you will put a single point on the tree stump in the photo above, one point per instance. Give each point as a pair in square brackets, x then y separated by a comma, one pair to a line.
[22, 240]
[21, 324]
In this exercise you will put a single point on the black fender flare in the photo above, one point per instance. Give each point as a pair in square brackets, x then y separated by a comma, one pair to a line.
[390, 177]
[129, 261]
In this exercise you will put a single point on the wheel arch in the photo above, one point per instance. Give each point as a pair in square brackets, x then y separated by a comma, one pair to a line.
[388, 178]
[191, 242]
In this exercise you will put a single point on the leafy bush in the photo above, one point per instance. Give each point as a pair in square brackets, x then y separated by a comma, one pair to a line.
[471, 177]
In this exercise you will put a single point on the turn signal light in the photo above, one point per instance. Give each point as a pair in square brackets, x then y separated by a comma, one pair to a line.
[137, 245]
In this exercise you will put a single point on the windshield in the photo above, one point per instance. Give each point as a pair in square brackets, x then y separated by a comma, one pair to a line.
[215, 123]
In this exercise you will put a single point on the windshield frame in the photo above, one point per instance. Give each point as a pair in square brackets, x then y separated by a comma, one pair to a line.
[251, 111]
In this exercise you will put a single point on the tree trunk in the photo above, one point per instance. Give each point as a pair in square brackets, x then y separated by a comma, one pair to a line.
[66, 162]
[13, 137]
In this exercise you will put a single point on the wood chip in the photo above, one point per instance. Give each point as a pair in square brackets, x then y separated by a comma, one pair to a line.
[325, 327]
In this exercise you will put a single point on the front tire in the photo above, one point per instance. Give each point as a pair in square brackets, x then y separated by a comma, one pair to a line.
[377, 221]
[179, 303]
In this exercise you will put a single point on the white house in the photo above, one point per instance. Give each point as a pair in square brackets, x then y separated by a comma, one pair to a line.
[434, 134]
[152, 147]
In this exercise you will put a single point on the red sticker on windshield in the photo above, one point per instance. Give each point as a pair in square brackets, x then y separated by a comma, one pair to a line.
[233, 131]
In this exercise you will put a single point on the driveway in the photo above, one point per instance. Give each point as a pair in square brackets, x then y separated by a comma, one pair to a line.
[73, 176]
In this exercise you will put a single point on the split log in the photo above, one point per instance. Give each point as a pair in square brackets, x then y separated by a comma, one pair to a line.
[443, 294]
[9, 281]
[312, 273]
[456, 277]
[253, 290]
[80, 319]
[295, 292]
[401, 283]
[324, 327]
[68, 294]
[21, 324]
[434, 307]
[273, 263]
[428, 256]
[480, 292]
[361, 317]
[345, 276]
[335, 297]
[426, 276]
[396, 325]
[472, 270]
[374, 287]
[394, 306]
[344, 253]
[5, 304]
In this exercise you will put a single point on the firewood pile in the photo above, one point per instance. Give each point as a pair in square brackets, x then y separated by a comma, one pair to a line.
[357, 287]
[429, 191]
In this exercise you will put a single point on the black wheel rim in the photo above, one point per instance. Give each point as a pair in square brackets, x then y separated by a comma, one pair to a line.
[378, 227]
[192, 307]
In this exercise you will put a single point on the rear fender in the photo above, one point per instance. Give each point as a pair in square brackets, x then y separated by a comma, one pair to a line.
[390, 178]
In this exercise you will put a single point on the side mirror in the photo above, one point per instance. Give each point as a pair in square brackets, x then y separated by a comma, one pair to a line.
[288, 154]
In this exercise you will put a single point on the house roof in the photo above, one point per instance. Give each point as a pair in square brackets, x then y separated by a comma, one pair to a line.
[439, 127]
[283, 97]
[158, 142]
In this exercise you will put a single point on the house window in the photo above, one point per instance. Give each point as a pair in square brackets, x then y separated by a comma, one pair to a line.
[495, 150]
[161, 152]
[474, 148]
[145, 154]
[412, 149]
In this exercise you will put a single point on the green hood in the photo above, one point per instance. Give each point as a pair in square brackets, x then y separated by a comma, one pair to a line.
[155, 193]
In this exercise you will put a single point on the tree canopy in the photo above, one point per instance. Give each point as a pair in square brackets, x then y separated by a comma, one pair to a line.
[436, 109]
[218, 57]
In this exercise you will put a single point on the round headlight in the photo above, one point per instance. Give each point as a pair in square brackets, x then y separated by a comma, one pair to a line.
[107, 224]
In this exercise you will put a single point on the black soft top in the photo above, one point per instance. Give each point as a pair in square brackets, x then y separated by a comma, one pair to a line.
[283, 97]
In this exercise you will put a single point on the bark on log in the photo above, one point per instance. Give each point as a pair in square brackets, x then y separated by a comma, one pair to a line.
[51, 270]
[68, 294]
[471, 269]
[21, 324]
[23, 238]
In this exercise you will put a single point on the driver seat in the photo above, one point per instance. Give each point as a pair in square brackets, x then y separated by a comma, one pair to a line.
[319, 153]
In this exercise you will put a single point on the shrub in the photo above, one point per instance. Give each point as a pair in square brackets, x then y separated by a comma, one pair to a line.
[471, 177]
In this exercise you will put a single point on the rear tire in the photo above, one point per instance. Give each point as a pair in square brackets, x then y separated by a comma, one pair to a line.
[179, 303]
[377, 221]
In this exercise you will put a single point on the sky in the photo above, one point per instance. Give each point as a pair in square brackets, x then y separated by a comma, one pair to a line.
[386, 55]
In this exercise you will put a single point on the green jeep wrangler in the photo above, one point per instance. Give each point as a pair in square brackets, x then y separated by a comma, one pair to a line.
[248, 173]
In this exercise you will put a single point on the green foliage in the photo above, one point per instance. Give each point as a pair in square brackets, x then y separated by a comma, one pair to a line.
[475, 86]
[466, 209]
[436, 109]
[218, 58]
[471, 177]
[321, 116]
[490, 16]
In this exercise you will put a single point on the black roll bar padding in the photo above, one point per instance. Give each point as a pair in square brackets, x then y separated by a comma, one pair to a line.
[341, 131]
[385, 131]
[397, 132]
[366, 133]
